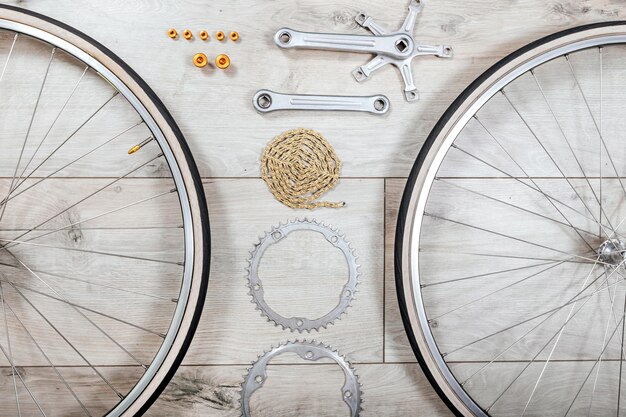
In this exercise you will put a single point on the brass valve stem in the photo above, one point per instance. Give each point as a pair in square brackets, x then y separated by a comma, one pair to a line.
[141, 145]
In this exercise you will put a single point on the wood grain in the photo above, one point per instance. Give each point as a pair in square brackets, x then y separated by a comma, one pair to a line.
[226, 136]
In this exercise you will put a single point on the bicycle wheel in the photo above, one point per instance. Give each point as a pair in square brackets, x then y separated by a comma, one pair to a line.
[510, 245]
[104, 237]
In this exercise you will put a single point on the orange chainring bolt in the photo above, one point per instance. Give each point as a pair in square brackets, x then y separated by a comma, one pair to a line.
[204, 35]
[172, 33]
[234, 36]
[187, 34]
[220, 36]
[222, 61]
[199, 60]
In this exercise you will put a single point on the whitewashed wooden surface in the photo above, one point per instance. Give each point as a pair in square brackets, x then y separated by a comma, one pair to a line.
[213, 109]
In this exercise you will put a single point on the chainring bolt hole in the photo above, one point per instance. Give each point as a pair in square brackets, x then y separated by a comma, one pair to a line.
[305, 265]
[279, 383]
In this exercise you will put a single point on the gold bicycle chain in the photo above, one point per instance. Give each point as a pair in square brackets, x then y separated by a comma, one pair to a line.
[300, 166]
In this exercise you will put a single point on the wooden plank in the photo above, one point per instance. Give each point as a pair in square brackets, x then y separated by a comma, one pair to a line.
[397, 348]
[465, 310]
[215, 391]
[388, 389]
[209, 105]
[295, 390]
[299, 280]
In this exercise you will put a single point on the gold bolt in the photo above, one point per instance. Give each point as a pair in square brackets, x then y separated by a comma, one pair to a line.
[187, 34]
[234, 36]
[220, 36]
[172, 33]
[222, 61]
[204, 35]
[199, 60]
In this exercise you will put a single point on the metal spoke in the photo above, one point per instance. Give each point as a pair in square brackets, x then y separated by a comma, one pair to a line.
[6, 63]
[621, 361]
[518, 208]
[557, 335]
[618, 279]
[19, 375]
[534, 182]
[553, 313]
[97, 216]
[85, 308]
[40, 180]
[455, 146]
[593, 119]
[3, 202]
[97, 284]
[596, 363]
[601, 108]
[51, 126]
[116, 180]
[43, 353]
[95, 252]
[569, 146]
[494, 255]
[58, 294]
[550, 312]
[57, 331]
[30, 126]
[434, 216]
[449, 281]
[6, 328]
[526, 278]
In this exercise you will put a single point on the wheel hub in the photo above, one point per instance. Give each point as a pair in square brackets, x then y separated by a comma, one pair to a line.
[612, 251]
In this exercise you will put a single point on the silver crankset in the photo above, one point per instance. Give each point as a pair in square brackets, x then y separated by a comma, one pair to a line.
[395, 48]
[266, 101]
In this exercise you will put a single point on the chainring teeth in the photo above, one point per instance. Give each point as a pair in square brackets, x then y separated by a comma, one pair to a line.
[348, 292]
[309, 350]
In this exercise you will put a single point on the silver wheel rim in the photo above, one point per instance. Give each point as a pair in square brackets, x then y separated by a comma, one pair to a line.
[149, 121]
[420, 194]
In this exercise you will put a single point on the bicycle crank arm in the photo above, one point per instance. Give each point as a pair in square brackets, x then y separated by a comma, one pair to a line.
[390, 48]
[398, 46]
[266, 101]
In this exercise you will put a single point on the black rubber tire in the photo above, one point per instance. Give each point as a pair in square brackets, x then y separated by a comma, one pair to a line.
[418, 165]
[197, 184]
